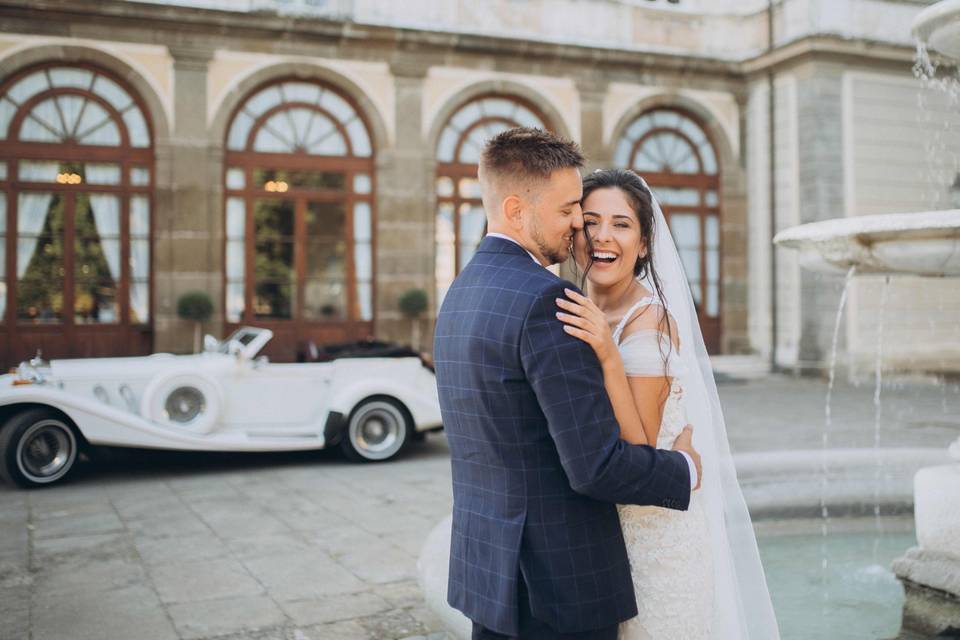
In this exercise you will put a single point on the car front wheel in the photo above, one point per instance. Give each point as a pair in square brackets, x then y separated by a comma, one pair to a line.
[378, 430]
[37, 448]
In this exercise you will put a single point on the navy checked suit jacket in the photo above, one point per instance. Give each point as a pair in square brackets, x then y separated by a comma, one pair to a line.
[538, 463]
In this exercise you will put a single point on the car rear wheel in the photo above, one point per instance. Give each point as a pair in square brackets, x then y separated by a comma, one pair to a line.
[37, 448]
[378, 430]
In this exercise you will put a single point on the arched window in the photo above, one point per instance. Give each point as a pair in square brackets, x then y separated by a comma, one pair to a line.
[460, 216]
[76, 171]
[299, 216]
[673, 154]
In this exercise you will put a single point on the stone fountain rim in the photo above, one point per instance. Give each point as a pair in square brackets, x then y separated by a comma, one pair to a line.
[875, 228]
[933, 17]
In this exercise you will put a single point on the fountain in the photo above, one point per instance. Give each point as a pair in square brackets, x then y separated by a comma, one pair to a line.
[938, 27]
[919, 244]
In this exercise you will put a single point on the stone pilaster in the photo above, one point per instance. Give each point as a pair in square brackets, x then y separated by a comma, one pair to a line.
[821, 196]
[187, 246]
[405, 209]
[592, 92]
[733, 242]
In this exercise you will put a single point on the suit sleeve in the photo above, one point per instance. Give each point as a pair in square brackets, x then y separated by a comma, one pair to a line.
[568, 382]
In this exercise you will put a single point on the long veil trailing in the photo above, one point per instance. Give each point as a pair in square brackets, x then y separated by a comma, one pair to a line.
[743, 610]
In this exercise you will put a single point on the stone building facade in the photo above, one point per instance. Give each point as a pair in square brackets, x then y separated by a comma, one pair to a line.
[307, 162]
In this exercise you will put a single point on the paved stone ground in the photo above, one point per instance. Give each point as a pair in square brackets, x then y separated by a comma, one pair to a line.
[299, 546]
[785, 412]
[304, 546]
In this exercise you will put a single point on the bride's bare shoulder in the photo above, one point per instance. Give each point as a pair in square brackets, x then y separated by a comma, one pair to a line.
[652, 317]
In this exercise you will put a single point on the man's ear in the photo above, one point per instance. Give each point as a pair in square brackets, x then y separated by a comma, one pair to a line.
[512, 210]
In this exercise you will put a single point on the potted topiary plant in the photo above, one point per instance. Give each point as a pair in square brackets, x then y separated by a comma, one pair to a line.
[413, 303]
[197, 307]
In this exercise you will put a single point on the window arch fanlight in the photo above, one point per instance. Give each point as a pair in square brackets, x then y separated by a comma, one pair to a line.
[671, 150]
[666, 141]
[460, 218]
[72, 105]
[299, 117]
[76, 172]
[299, 215]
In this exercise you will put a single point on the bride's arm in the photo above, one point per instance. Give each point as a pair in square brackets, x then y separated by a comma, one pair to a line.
[649, 393]
[620, 391]
[638, 400]
[586, 322]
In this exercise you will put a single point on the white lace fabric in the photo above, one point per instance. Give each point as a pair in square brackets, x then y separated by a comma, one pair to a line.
[741, 609]
[669, 551]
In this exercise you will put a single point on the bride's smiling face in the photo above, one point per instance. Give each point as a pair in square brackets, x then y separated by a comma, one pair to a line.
[615, 242]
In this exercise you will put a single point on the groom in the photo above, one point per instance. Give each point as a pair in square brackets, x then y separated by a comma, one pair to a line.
[538, 463]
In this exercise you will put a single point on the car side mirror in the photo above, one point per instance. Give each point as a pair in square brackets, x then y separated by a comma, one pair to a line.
[210, 344]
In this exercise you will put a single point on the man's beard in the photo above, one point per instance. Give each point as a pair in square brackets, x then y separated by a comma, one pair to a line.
[553, 255]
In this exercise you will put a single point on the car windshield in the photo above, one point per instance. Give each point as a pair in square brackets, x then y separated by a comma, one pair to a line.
[240, 336]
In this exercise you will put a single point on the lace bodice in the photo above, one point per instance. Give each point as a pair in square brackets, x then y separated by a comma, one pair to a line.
[668, 550]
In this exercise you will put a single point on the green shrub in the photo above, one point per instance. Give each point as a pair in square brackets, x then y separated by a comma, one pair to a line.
[413, 302]
[195, 305]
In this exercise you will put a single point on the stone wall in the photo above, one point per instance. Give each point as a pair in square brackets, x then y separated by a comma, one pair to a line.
[194, 67]
[910, 321]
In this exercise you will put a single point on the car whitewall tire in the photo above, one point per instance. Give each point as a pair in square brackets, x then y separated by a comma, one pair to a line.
[37, 448]
[378, 430]
[184, 401]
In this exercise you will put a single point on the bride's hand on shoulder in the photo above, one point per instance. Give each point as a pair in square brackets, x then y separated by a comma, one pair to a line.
[583, 319]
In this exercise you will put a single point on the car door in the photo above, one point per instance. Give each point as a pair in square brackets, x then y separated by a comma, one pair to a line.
[277, 396]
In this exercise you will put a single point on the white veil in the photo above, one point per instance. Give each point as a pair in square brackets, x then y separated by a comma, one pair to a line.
[743, 610]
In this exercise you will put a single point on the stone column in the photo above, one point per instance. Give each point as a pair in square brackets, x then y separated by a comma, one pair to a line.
[734, 244]
[187, 244]
[592, 92]
[821, 196]
[405, 205]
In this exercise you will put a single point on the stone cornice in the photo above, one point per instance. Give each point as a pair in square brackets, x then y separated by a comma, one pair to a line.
[827, 47]
[174, 26]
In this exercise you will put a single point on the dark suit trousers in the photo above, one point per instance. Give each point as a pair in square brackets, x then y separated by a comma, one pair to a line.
[533, 629]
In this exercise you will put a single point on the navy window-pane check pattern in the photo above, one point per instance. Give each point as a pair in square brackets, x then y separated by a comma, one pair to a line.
[538, 465]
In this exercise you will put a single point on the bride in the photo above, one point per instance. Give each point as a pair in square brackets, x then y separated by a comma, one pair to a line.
[697, 574]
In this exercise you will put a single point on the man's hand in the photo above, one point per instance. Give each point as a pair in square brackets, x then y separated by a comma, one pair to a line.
[684, 442]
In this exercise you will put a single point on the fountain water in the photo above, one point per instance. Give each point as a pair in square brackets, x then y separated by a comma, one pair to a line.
[920, 244]
[825, 443]
[877, 416]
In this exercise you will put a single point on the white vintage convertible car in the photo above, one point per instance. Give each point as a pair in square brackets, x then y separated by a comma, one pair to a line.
[224, 399]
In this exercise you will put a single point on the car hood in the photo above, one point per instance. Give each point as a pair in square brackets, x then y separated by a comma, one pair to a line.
[139, 366]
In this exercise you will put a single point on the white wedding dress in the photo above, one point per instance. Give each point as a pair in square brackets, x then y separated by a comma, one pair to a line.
[669, 551]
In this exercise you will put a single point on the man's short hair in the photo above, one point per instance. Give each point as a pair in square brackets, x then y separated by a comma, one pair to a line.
[528, 155]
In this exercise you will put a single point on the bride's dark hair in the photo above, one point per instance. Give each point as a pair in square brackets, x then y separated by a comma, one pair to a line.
[641, 201]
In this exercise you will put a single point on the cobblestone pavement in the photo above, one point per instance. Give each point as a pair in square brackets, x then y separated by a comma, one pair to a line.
[304, 546]
[152, 546]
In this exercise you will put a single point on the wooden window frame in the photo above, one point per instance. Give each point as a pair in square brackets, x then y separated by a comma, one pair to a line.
[459, 170]
[703, 183]
[349, 166]
[127, 157]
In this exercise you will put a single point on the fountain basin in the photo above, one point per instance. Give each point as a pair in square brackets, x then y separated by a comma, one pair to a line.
[783, 492]
[852, 595]
[939, 27]
[922, 244]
